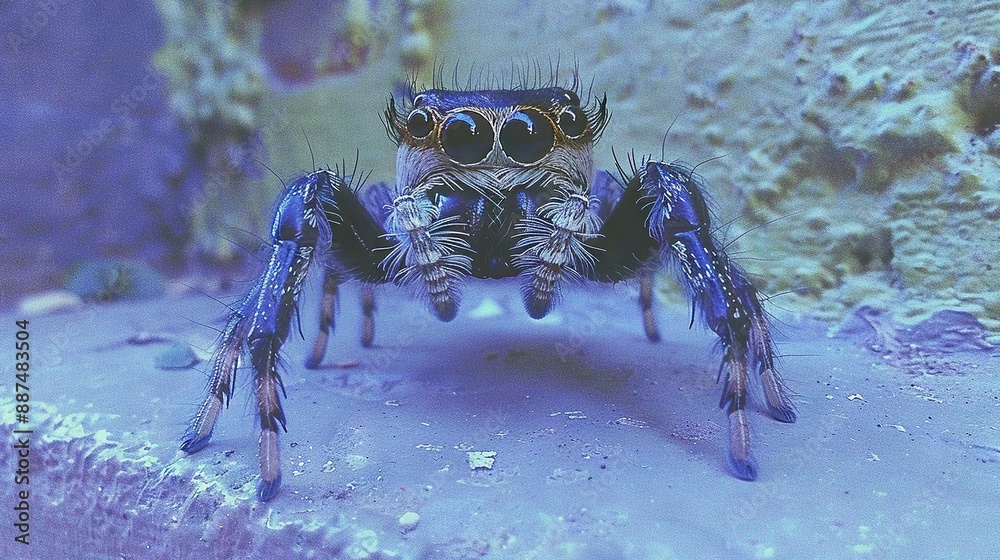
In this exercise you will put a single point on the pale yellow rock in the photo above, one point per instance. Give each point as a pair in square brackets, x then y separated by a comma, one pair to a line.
[49, 302]
[481, 459]
[408, 521]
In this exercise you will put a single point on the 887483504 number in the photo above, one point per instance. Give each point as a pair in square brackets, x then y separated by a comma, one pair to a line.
[22, 366]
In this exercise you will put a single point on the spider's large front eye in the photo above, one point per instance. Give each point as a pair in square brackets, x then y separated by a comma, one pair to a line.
[527, 136]
[420, 123]
[467, 137]
[573, 121]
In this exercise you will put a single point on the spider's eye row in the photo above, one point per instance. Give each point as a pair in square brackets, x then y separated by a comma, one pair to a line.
[527, 136]
[466, 137]
[420, 123]
[573, 121]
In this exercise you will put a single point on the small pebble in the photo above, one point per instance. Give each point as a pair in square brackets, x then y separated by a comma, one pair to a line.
[142, 338]
[176, 355]
[408, 521]
[49, 302]
[481, 459]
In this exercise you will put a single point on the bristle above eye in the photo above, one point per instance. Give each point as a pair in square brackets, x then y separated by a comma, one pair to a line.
[522, 76]
[598, 116]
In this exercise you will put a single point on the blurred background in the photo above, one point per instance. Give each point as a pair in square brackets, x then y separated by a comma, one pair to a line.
[854, 146]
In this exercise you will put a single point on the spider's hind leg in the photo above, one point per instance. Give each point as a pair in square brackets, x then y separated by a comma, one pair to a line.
[368, 315]
[328, 312]
[359, 243]
[646, 285]
[624, 248]
[327, 317]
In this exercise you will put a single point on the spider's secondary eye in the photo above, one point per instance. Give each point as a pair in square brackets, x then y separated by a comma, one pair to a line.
[420, 123]
[573, 121]
[467, 137]
[527, 136]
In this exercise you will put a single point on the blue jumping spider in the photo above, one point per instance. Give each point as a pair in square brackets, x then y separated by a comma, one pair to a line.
[493, 183]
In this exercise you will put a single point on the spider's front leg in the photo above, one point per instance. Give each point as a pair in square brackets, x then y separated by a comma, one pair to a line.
[664, 212]
[309, 216]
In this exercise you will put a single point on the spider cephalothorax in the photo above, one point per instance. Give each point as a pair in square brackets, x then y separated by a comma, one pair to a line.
[493, 184]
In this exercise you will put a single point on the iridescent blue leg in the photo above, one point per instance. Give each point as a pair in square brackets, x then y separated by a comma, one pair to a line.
[309, 216]
[679, 220]
[662, 217]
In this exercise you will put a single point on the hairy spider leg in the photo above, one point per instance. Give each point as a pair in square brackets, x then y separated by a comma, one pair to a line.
[646, 285]
[261, 323]
[332, 279]
[662, 217]
[356, 251]
[368, 315]
[222, 380]
[623, 263]
[310, 216]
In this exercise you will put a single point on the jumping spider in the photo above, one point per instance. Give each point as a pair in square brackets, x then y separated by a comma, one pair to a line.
[493, 184]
